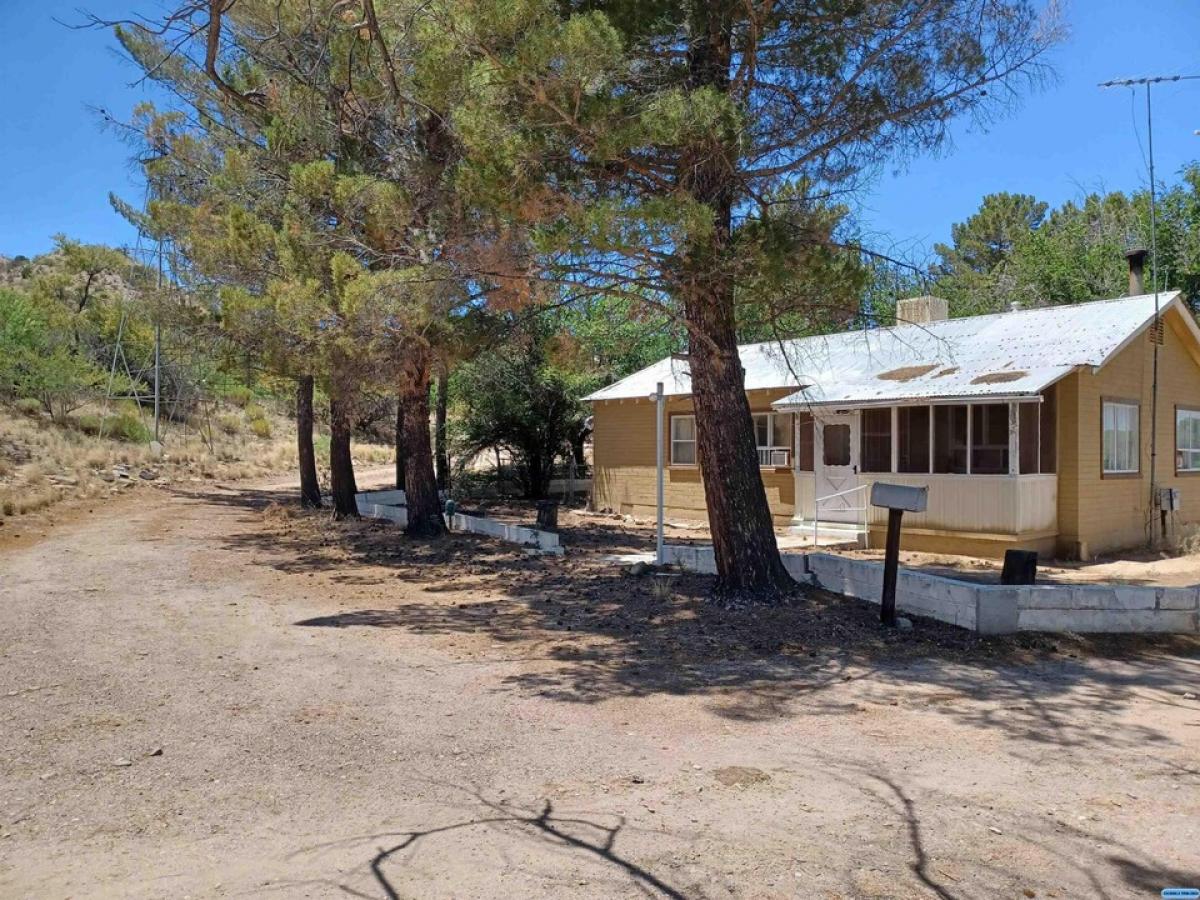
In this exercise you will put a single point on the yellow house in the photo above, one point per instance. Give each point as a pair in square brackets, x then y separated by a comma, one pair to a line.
[1041, 429]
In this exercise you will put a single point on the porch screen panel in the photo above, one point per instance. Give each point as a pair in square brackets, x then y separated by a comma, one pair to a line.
[876, 440]
[913, 438]
[950, 440]
[804, 450]
[1048, 430]
[1030, 422]
[989, 439]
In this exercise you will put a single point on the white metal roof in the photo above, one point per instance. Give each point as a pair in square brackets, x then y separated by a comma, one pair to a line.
[1010, 354]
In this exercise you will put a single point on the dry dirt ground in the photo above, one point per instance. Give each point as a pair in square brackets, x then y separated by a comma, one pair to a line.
[204, 695]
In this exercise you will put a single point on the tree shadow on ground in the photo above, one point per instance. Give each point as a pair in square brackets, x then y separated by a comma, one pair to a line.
[582, 836]
[909, 842]
[1087, 862]
[589, 631]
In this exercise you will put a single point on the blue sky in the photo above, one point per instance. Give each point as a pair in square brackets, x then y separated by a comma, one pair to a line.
[57, 165]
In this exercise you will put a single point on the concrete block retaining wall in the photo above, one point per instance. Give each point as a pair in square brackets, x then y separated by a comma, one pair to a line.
[387, 498]
[988, 608]
[1110, 608]
[376, 510]
[390, 505]
[546, 541]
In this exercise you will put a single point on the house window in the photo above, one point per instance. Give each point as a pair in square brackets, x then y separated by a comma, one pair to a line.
[836, 441]
[950, 439]
[877, 440]
[1121, 430]
[804, 442]
[683, 440]
[1187, 440]
[989, 439]
[912, 426]
[773, 435]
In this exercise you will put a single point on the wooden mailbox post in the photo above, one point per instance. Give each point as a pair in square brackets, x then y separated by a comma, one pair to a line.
[897, 499]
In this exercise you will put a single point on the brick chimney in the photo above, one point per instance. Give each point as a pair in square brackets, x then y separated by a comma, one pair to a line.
[921, 310]
[1137, 268]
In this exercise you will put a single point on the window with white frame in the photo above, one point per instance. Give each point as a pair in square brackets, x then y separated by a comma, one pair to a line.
[1121, 436]
[773, 435]
[683, 440]
[1187, 440]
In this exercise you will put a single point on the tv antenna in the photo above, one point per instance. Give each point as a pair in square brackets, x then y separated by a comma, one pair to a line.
[1133, 84]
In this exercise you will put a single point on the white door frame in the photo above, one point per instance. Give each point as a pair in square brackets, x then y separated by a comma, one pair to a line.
[835, 479]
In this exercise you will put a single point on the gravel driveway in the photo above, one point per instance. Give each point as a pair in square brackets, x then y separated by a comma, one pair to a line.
[202, 695]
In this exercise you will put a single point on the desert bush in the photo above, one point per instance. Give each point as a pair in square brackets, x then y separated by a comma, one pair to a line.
[89, 423]
[1186, 541]
[230, 424]
[240, 395]
[261, 427]
[29, 406]
[125, 424]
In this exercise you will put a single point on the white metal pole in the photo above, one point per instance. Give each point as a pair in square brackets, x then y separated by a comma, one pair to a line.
[659, 404]
[158, 345]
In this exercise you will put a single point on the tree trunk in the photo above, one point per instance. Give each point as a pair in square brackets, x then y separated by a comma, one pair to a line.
[401, 454]
[341, 465]
[310, 487]
[441, 451]
[578, 452]
[743, 533]
[538, 469]
[420, 490]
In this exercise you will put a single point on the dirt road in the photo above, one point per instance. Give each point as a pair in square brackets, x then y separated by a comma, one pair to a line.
[194, 702]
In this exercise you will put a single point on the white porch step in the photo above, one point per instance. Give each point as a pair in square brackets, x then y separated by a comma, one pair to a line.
[830, 533]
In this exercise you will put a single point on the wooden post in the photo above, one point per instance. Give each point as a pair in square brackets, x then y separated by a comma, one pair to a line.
[891, 564]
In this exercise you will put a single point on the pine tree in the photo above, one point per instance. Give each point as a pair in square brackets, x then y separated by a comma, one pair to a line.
[684, 152]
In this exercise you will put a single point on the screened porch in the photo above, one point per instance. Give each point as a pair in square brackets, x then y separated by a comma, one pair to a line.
[990, 466]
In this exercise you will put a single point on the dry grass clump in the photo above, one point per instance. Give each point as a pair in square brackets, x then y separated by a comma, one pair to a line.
[373, 455]
[1186, 541]
[42, 463]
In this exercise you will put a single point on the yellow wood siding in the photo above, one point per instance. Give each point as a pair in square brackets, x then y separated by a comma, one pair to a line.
[624, 464]
[1099, 514]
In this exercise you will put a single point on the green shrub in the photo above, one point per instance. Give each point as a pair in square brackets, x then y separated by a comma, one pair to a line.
[123, 425]
[29, 406]
[239, 395]
[261, 427]
[255, 411]
[89, 423]
[230, 424]
[127, 425]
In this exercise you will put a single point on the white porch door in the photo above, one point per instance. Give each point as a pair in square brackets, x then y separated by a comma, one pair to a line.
[835, 461]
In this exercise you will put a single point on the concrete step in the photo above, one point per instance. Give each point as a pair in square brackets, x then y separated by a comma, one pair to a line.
[831, 534]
